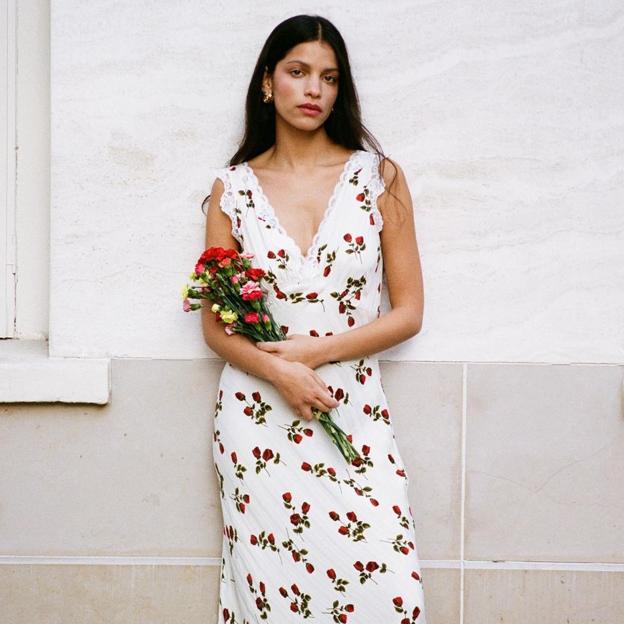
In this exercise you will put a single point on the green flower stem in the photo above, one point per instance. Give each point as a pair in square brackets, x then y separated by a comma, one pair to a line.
[339, 437]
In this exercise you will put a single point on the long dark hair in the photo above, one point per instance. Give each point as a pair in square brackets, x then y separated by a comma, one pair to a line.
[343, 126]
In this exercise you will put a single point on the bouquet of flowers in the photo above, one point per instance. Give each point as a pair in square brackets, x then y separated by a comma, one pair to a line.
[227, 278]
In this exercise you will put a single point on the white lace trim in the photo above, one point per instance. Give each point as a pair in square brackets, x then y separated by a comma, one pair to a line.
[228, 202]
[268, 214]
[377, 187]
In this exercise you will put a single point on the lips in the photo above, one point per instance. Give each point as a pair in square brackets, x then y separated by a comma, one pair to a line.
[310, 107]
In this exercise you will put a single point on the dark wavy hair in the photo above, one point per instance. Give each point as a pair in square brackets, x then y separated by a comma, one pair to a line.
[343, 126]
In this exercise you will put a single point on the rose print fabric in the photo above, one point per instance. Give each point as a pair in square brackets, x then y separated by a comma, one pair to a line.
[307, 536]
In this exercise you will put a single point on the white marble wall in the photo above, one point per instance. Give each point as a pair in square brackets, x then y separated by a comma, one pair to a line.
[507, 118]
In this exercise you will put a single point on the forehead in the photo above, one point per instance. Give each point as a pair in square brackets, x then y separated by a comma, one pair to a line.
[313, 53]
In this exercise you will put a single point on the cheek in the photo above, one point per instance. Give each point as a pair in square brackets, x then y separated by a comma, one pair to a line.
[287, 88]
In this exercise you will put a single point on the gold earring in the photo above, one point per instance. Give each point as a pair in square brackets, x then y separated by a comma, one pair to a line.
[268, 97]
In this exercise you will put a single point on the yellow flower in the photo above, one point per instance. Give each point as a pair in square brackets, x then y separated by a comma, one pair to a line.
[228, 316]
[193, 276]
[215, 307]
[185, 291]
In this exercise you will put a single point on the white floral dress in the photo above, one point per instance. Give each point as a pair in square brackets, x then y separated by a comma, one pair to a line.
[307, 536]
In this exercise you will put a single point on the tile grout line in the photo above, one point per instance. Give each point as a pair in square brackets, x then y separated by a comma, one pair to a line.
[462, 513]
[444, 564]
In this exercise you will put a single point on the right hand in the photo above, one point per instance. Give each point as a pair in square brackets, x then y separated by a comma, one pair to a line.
[302, 388]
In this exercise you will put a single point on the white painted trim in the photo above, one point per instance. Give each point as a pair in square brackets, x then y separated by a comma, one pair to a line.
[28, 374]
[8, 240]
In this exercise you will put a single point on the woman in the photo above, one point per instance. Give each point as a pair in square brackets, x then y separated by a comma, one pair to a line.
[306, 534]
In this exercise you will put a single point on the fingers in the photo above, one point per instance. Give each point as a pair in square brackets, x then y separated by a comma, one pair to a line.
[305, 412]
[325, 390]
[325, 402]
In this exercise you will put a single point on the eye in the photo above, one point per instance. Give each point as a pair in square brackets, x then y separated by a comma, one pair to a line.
[333, 79]
[294, 70]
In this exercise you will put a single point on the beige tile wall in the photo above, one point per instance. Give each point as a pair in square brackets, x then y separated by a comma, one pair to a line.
[515, 476]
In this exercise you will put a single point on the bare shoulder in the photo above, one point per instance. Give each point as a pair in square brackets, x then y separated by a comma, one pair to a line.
[218, 223]
[214, 198]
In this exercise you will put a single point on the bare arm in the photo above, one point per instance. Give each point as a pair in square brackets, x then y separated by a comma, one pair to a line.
[301, 386]
[235, 348]
[403, 278]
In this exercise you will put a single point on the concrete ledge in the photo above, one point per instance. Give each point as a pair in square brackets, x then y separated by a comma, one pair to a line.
[29, 375]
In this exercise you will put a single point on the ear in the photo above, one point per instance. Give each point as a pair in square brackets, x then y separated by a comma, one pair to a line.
[266, 80]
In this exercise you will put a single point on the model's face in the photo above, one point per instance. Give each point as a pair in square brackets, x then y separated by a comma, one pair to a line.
[308, 74]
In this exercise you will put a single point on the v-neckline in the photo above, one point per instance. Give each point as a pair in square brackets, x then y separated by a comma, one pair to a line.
[329, 209]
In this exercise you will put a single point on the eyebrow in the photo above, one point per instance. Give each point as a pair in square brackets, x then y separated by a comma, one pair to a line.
[306, 65]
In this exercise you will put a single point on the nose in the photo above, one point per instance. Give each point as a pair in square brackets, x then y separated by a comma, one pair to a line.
[313, 86]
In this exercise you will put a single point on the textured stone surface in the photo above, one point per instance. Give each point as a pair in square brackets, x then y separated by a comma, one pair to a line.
[506, 118]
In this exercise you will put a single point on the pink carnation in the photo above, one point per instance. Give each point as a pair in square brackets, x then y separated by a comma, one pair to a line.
[251, 290]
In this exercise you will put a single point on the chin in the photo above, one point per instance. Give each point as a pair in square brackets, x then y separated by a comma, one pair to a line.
[314, 125]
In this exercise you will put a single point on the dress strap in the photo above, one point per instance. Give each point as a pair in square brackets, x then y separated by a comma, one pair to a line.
[377, 187]
[228, 201]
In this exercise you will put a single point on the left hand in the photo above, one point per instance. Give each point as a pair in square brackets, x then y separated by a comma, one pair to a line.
[297, 348]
